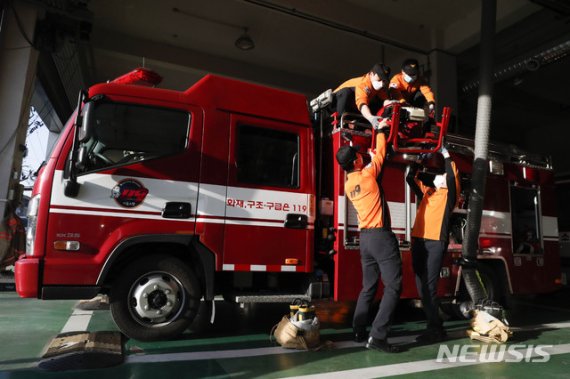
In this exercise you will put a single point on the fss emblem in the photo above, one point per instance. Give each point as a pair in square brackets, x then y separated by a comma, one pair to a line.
[129, 193]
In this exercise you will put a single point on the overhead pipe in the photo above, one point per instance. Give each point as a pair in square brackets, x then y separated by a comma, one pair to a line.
[480, 162]
[531, 62]
[334, 25]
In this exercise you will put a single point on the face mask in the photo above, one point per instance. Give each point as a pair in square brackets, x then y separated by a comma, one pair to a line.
[377, 84]
[408, 78]
[439, 181]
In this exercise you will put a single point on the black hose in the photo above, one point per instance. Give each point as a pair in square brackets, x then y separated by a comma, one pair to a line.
[480, 163]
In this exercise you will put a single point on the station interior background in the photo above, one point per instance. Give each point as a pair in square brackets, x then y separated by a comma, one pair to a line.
[309, 47]
[301, 46]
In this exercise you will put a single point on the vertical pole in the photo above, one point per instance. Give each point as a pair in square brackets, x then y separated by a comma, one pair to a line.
[18, 60]
[480, 162]
[408, 205]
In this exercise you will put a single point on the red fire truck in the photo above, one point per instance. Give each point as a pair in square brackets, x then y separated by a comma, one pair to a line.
[161, 199]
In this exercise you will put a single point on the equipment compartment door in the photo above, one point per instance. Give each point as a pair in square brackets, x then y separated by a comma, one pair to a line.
[269, 202]
[528, 244]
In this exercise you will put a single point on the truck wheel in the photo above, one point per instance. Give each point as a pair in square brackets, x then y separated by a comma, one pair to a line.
[155, 298]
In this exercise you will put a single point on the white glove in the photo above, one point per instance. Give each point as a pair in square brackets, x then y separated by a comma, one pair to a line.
[431, 106]
[444, 152]
[379, 124]
[374, 122]
[383, 125]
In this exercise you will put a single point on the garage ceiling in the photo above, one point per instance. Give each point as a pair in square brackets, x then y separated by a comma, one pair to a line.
[309, 46]
[304, 45]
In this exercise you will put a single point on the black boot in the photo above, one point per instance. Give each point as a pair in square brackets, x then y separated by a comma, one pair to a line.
[360, 334]
[431, 336]
[381, 345]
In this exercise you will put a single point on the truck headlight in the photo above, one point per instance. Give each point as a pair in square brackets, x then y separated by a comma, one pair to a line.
[32, 222]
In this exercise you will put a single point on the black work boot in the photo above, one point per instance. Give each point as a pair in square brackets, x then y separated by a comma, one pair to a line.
[431, 336]
[360, 334]
[381, 345]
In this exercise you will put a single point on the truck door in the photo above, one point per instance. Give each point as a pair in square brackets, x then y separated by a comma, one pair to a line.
[269, 222]
[140, 159]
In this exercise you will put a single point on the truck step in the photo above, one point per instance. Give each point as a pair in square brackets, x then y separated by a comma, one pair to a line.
[7, 281]
[268, 298]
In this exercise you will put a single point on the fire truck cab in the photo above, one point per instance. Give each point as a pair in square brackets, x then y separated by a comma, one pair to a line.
[162, 198]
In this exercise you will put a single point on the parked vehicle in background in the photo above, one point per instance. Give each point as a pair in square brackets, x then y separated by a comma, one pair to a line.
[562, 195]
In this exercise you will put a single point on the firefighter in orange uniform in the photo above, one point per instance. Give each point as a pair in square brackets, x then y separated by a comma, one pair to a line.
[437, 189]
[379, 252]
[407, 86]
[364, 94]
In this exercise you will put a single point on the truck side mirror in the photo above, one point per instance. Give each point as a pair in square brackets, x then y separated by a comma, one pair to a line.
[84, 129]
[71, 186]
[81, 163]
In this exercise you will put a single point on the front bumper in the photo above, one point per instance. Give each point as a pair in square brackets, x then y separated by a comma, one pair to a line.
[27, 276]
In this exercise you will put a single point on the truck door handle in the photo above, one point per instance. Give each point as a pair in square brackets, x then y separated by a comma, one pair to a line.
[296, 221]
[175, 209]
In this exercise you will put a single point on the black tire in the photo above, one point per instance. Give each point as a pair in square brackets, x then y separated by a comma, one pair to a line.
[155, 298]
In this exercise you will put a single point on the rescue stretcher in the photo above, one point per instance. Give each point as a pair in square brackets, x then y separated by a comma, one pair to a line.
[412, 130]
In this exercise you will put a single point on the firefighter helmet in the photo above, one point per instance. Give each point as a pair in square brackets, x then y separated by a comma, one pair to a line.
[346, 155]
[411, 67]
[382, 71]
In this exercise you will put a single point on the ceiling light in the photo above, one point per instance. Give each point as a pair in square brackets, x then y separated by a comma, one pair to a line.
[244, 42]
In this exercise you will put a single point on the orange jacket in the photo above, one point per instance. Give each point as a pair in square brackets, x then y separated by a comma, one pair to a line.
[436, 205]
[363, 90]
[401, 90]
[363, 190]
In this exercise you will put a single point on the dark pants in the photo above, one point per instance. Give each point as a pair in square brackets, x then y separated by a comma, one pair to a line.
[346, 102]
[418, 100]
[427, 258]
[380, 257]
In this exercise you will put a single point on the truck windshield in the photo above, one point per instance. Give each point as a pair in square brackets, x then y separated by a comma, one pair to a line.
[126, 133]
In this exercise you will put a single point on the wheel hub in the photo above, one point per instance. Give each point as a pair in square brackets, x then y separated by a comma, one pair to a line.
[155, 297]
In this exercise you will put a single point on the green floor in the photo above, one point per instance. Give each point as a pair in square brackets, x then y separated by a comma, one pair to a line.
[238, 346]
